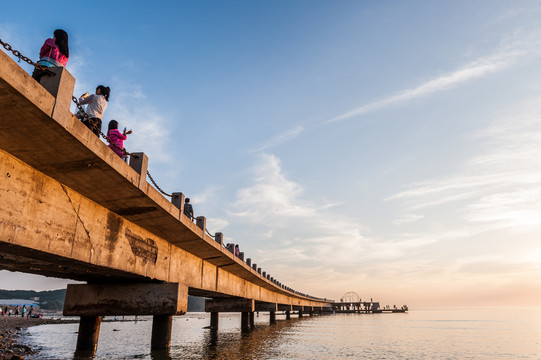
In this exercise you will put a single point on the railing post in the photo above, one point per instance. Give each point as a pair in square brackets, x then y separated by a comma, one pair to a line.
[139, 163]
[219, 237]
[178, 200]
[60, 85]
[249, 262]
[201, 222]
[241, 256]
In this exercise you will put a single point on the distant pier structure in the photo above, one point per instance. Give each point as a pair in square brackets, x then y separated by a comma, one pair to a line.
[351, 302]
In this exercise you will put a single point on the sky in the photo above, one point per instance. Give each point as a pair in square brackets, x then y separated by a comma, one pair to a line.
[389, 148]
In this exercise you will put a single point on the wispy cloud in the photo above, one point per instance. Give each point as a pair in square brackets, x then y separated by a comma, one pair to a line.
[408, 219]
[476, 69]
[281, 138]
[498, 188]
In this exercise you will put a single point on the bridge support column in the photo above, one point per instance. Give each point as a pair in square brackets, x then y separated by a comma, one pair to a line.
[245, 321]
[161, 332]
[214, 319]
[288, 315]
[272, 317]
[252, 319]
[89, 332]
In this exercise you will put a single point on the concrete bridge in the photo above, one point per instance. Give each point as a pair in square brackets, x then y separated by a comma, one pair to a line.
[71, 208]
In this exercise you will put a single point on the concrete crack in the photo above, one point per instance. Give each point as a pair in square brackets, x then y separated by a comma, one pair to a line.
[77, 214]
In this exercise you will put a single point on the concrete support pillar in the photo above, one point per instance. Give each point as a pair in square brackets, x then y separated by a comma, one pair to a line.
[311, 313]
[300, 313]
[272, 317]
[214, 316]
[161, 332]
[245, 321]
[252, 319]
[288, 315]
[89, 332]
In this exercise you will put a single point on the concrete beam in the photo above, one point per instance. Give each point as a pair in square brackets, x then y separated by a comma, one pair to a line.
[126, 299]
[265, 306]
[284, 307]
[229, 305]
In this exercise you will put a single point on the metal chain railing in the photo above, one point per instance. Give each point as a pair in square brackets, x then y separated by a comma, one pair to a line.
[85, 115]
[24, 58]
[79, 107]
[156, 185]
[124, 151]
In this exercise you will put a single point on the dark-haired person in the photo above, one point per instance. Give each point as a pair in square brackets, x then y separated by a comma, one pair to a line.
[54, 52]
[188, 208]
[116, 139]
[95, 107]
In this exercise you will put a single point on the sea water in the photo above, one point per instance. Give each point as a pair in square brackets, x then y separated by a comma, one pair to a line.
[503, 333]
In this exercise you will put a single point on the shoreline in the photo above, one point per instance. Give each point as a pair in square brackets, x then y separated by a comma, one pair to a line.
[10, 331]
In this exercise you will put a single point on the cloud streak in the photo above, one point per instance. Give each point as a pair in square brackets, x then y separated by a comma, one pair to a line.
[474, 70]
[281, 138]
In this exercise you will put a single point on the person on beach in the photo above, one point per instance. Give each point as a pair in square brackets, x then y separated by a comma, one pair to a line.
[54, 52]
[188, 209]
[95, 107]
[23, 313]
[116, 139]
[17, 311]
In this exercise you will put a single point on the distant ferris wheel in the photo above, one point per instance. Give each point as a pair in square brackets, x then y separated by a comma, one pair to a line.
[351, 297]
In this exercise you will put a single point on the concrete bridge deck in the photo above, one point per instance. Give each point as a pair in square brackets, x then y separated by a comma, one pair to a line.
[71, 208]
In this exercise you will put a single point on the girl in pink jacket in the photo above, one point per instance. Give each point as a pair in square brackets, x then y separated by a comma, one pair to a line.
[54, 52]
[116, 139]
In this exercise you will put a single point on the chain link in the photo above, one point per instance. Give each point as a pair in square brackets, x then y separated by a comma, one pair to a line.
[209, 234]
[156, 185]
[79, 107]
[24, 58]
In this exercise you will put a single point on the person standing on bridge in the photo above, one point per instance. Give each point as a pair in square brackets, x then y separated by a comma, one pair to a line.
[188, 209]
[95, 107]
[54, 52]
[116, 139]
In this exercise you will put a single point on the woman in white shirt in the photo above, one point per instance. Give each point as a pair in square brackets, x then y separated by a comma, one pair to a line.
[95, 107]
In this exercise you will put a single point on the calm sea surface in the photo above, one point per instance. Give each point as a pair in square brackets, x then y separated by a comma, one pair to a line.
[420, 334]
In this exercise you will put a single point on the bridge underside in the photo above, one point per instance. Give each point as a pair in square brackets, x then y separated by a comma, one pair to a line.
[71, 208]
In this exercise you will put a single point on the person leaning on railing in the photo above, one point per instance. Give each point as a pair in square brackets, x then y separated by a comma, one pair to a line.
[54, 52]
[95, 107]
[188, 209]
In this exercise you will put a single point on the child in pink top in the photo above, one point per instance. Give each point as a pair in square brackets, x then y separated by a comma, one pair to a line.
[116, 139]
[54, 52]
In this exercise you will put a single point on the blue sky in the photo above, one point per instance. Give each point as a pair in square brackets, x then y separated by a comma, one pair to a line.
[389, 148]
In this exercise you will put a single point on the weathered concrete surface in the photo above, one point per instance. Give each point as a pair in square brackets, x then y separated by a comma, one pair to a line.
[71, 208]
[264, 306]
[229, 305]
[126, 299]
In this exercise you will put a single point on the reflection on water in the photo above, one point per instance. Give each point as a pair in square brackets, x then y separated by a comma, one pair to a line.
[428, 334]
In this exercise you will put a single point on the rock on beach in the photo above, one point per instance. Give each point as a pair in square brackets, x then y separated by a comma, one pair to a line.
[10, 329]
